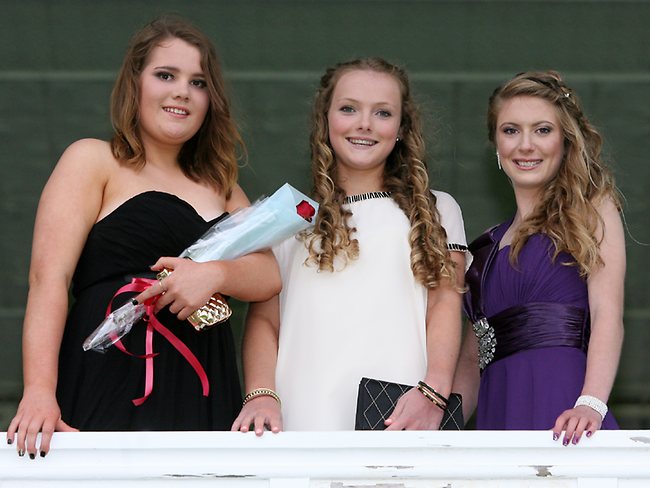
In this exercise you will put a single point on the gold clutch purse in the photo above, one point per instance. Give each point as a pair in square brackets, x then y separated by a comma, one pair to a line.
[212, 313]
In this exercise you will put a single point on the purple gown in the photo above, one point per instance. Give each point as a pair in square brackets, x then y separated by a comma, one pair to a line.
[536, 336]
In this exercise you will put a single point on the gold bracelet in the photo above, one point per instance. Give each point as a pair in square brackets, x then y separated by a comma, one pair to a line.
[261, 392]
[433, 399]
[434, 392]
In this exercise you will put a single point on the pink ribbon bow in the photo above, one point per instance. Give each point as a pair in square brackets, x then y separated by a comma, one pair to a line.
[139, 285]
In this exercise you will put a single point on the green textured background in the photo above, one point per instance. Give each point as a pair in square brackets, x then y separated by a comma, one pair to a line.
[58, 60]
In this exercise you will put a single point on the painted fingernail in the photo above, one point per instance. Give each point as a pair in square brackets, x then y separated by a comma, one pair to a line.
[555, 436]
[565, 442]
[32, 455]
[21, 452]
[43, 453]
[588, 433]
[10, 441]
[575, 440]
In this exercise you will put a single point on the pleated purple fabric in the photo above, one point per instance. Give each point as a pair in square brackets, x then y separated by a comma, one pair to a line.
[539, 311]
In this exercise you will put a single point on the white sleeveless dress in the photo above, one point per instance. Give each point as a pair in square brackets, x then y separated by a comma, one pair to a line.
[367, 319]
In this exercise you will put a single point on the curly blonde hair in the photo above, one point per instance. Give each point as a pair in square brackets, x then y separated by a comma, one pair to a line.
[405, 177]
[568, 208]
[211, 155]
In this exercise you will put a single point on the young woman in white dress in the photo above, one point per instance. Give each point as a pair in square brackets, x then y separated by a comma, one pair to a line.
[375, 289]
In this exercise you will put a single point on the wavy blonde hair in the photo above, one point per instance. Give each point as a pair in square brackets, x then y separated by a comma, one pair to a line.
[568, 208]
[405, 177]
[211, 155]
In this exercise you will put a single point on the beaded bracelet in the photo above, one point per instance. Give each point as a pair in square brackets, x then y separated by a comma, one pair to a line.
[434, 392]
[261, 392]
[592, 402]
[432, 398]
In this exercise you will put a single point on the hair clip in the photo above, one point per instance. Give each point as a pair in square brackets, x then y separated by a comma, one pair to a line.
[566, 94]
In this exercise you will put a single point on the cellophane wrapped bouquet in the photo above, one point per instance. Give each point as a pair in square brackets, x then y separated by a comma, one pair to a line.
[267, 222]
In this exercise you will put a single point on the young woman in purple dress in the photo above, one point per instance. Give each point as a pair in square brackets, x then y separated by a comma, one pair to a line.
[546, 287]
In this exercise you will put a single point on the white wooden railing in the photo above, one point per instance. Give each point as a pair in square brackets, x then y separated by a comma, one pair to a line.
[333, 460]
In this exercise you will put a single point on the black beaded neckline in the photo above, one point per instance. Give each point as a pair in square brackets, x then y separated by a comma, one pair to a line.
[366, 196]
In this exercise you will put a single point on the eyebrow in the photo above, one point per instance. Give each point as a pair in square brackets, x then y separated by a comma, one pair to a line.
[534, 123]
[348, 99]
[175, 69]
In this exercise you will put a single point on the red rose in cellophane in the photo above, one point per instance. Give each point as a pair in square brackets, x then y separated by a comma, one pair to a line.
[305, 210]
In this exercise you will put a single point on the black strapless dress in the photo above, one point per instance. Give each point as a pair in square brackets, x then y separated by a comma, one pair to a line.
[95, 391]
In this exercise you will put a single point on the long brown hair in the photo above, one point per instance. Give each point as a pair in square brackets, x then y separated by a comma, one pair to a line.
[211, 155]
[405, 177]
[568, 208]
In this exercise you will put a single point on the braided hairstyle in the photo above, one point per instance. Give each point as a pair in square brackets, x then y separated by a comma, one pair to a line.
[568, 208]
[405, 177]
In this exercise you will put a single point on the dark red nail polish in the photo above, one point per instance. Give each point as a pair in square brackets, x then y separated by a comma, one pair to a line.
[565, 442]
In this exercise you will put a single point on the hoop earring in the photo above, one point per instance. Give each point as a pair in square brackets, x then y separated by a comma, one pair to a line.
[499, 161]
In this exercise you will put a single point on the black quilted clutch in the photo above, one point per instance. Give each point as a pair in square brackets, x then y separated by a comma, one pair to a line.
[377, 399]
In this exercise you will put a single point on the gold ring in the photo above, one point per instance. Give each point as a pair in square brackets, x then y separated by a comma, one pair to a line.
[162, 286]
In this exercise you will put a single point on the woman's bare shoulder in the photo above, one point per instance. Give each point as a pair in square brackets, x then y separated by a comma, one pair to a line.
[88, 157]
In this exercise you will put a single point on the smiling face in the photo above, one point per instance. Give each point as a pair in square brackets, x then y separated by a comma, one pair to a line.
[173, 95]
[530, 141]
[364, 120]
